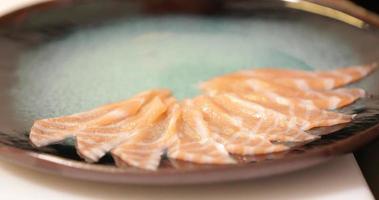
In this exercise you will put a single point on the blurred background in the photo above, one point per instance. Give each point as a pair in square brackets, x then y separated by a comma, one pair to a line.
[372, 5]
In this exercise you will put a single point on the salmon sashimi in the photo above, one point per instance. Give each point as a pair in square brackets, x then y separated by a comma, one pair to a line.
[94, 131]
[308, 117]
[230, 131]
[92, 145]
[194, 143]
[305, 80]
[252, 112]
[330, 99]
[145, 149]
[258, 120]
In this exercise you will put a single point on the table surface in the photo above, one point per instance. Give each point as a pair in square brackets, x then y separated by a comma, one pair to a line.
[340, 178]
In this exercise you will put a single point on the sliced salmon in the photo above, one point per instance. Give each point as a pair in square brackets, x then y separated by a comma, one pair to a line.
[330, 99]
[230, 131]
[307, 117]
[259, 120]
[252, 112]
[92, 143]
[95, 131]
[305, 80]
[193, 142]
[144, 150]
[111, 113]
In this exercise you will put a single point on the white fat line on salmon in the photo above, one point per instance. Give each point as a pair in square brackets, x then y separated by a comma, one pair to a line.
[152, 162]
[130, 162]
[250, 105]
[206, 159]
[307, 103]
[306, 117]
[273, 126]
[201, 128]
[329, 83]
[301, 84]
[258, 125]
[253, 85]
[347, 78]
[186, 156]
[221, 148]
[291, 125]
[305, 125]
[116, 113]
[173, 149]
[317, 94]
[334, 102]
[234, 120]
[279, 99]
[271, 149]
[237, 121]
[293, 122]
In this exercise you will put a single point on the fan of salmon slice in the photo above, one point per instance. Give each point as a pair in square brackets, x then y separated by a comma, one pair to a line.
[193, 142]
[322, 99]
[305, 80]
[305, 116]
[230, 113]
[145, 149]
[232, 131]
[252, 112]
[99, 130]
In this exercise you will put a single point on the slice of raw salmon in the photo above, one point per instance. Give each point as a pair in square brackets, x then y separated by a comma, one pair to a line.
[111, 113]
[330, 99]
[144, 150]
[194, 143]
[316, 80]
[308, 117]
[259, 120]
[230, 131]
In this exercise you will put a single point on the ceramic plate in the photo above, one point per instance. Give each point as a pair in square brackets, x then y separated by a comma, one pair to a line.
[64, 57]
